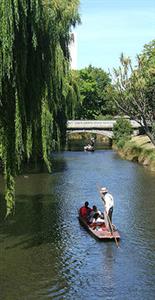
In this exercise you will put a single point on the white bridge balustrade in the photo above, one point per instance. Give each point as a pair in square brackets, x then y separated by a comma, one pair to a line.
[99, 127]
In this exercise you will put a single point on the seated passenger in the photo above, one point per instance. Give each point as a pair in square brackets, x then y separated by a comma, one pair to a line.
[98, 219]
[85, 211]
[96, 216]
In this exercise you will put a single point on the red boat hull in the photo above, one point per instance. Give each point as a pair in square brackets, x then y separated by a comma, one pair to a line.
[100, 231]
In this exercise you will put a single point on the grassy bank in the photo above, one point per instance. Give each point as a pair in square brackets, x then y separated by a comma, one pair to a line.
[139, 149]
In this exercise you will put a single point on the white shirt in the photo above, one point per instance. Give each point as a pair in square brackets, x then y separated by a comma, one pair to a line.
[108, 201]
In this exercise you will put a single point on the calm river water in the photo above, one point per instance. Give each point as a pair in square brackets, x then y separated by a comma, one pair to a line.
[46, 254]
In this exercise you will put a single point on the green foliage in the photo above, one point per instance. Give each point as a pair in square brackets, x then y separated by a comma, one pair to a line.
[106, 117]
[46, 126]
[153, 129]
[18, 136]
[10, 193]
[36, 88]
[28, 142]
[122, 131]
[134, 88]
[93, 85]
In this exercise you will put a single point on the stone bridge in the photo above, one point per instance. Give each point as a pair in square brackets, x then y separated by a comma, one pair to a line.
[104, 128]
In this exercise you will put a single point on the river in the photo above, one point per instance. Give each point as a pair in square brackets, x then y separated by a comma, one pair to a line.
[46, 254]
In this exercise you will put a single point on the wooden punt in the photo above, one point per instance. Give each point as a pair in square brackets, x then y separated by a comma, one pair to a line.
[99, 230]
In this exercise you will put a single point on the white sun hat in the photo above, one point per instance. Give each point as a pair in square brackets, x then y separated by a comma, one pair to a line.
[104, 190]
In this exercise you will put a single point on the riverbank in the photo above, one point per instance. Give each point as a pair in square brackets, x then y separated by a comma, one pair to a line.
[139, 149]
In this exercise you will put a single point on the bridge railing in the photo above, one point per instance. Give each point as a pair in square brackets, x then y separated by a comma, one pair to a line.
[99, 124]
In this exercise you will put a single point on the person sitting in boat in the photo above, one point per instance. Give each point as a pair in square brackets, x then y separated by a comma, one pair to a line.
[96, 216]
[85, 211]
[88, 148]
[90, 145]
[98, 219]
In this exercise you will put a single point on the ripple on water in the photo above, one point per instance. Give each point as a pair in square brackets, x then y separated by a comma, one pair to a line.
[52, 256]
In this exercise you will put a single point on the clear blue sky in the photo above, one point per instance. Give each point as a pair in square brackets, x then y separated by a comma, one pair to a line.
[110, 27]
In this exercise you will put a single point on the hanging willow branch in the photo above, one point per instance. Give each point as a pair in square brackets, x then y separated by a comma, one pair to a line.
[34, 73]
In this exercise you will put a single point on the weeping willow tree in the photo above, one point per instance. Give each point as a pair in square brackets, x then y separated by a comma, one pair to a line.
[36, 87]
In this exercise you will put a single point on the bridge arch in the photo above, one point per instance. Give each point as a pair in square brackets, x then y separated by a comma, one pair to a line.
[104, 133]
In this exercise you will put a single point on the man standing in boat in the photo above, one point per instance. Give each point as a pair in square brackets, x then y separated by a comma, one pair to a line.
[108, 202]
[92, 141]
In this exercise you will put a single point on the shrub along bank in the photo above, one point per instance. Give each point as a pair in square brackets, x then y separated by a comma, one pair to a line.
[138, 149]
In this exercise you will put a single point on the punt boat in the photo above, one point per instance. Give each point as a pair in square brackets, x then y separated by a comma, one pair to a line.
[89, 148]
[99, 230]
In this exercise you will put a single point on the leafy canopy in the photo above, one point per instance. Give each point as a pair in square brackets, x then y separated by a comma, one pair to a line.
[122, 131]
[93, 85]
[135, 89]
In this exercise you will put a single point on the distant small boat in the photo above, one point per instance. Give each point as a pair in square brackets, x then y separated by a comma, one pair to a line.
[89, 148]
[99, 230]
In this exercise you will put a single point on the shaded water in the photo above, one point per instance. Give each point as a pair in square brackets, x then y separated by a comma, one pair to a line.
[46, 254]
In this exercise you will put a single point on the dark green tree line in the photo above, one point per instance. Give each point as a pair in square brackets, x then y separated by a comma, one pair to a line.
[36, 87]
